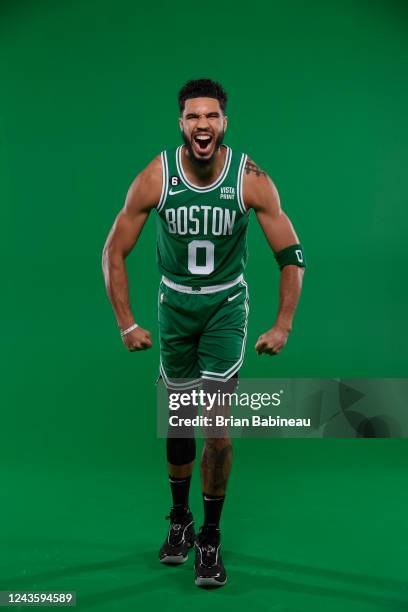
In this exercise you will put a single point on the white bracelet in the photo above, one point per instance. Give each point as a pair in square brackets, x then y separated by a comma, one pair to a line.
[124, 332]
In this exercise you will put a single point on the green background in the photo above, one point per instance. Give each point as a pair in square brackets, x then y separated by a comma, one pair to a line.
[318, 97]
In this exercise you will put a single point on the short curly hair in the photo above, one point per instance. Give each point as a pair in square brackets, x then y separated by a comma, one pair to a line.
[202, 88]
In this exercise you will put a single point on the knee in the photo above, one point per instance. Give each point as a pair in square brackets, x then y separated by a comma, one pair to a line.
[181, 450]
[218, 444]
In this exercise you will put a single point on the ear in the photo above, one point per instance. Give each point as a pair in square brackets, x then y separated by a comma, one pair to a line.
[225, 123]
[181, 123]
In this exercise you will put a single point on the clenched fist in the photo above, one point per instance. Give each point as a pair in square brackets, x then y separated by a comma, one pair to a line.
[272, 341]
[138, 340]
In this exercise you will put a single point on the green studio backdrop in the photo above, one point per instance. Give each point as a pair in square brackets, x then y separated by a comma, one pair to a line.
[318, 97]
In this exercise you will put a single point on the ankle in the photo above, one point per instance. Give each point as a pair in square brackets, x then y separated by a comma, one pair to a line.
[180, 510]
[211, 527]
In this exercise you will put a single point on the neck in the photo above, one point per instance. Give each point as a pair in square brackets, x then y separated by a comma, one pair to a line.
[200, 172]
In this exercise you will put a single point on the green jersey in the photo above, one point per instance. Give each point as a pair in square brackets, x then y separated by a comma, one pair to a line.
[202, 231]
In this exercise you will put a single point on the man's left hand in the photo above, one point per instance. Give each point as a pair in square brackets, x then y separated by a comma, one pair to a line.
[272, 341]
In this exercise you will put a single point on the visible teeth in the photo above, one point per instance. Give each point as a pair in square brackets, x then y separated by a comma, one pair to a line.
[202, 137]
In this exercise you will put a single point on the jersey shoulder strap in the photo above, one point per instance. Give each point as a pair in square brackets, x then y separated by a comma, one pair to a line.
[241, 161]
[165, 180]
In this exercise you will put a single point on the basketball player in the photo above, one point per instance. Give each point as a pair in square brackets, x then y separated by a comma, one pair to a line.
[202, 193]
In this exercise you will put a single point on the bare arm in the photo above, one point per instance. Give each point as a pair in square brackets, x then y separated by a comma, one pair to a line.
[261, 194]
[143, 195]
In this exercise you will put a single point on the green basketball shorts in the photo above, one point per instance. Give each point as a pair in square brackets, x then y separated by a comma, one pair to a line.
[202, 335]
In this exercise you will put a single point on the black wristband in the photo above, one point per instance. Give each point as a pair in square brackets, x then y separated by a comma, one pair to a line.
[291, 256]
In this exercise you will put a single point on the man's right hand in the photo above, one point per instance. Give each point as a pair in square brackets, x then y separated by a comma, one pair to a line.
[138, 340]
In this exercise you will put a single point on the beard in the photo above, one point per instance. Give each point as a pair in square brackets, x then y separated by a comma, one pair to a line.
[196, 160]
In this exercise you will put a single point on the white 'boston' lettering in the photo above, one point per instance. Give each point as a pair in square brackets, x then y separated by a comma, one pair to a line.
[182, 220]
[217, 221]
[194, 219]
[229, 221]
[171, 220]
[205, 227]
[200, 220]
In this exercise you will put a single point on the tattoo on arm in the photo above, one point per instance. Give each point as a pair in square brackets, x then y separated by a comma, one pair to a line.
[250, 166]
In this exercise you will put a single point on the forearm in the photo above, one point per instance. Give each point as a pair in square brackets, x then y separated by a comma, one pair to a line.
[290, 288]
[116, 282]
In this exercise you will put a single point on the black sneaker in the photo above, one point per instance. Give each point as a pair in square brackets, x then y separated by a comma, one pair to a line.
[180, 538]
[209, 568]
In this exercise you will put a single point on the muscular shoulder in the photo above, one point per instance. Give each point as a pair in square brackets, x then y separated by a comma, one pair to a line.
[259, 192]
[144, 192]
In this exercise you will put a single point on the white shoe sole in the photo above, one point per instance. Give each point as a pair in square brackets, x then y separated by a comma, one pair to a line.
[211, 582]
[173, 560]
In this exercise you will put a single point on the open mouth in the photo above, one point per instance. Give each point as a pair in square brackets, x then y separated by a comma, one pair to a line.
[203, 142]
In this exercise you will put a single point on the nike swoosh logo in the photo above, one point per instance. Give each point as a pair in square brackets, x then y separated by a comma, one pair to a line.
[171, 192]
[234, 296]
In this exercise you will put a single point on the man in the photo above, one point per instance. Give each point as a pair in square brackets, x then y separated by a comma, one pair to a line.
[202, 193]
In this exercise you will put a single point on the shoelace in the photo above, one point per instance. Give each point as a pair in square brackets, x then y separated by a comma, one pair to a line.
[208, 549]
[175, 528]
